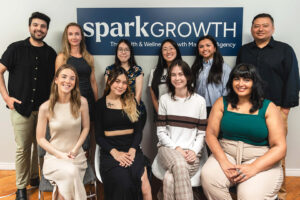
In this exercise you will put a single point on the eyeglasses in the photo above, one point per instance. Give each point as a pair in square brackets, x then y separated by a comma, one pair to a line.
[123, 50]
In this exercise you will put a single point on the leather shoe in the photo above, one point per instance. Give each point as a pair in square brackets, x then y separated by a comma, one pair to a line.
[21, 194]
[35, 182]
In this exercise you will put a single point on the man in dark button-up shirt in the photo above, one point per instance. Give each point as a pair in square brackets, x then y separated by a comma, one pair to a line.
[277, 64]
[30, 64]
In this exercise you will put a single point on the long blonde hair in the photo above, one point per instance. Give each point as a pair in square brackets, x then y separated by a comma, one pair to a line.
[75, 101]
[129, 104]
[66, 48]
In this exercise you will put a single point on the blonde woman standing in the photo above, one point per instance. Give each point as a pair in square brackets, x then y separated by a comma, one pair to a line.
[74, 52]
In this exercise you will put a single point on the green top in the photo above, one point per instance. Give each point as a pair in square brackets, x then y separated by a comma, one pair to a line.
[248, 128]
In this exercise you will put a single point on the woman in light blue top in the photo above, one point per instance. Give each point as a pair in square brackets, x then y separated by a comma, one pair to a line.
[210, 71]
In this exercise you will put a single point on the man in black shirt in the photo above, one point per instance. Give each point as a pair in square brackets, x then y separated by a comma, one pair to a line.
[30, 64]
[277, 64]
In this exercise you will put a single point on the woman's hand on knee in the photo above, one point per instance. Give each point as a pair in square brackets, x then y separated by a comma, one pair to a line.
[132, 152]
[245, 172]
[123, 158]
[190, 156]
[229, 170]
[180, 150]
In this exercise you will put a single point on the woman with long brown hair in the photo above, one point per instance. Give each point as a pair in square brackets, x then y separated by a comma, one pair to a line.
[66, 113]
[119, 134]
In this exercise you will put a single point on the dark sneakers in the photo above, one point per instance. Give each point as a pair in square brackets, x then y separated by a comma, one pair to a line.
[21, 194]
[35, 182]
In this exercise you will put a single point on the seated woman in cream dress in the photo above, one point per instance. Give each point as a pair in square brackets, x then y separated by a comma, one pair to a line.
[68, 116]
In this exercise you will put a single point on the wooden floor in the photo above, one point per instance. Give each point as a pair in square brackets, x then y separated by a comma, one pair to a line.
[8, 186]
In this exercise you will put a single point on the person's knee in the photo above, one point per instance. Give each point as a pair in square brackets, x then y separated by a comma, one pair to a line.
[254, 192]
[71, 171]
[180, 165]
[168, 179]
[23, 149]
[207, 177]
[146, 188]
[121, 181]
[249, 194]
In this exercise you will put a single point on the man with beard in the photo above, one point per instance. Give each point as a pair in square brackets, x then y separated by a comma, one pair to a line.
[30, 64]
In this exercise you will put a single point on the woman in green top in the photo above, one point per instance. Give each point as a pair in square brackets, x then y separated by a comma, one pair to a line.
[252, 141]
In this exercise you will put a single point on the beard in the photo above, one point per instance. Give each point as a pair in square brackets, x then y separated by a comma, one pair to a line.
[38, 39]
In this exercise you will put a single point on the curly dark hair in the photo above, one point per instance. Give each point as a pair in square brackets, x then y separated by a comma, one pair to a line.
[245, 70]
[187, 73]
[161, 65]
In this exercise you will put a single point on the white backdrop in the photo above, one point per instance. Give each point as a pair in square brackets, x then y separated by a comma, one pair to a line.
[14, 26]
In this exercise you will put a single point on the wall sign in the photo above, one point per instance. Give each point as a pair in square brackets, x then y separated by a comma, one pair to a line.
[146, 28]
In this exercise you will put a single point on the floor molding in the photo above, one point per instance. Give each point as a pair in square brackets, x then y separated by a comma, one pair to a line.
[292, 172]
[7, 166]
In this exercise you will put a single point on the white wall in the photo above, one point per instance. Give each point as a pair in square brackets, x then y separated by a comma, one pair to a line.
[14, 26]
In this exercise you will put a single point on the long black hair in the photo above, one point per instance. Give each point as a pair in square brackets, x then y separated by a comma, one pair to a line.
[187, 73]
[216, 70]
[131, 60]
[161, 65]
[245, 70]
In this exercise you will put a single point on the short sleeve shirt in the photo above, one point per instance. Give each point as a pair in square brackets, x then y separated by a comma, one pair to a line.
[31, 70]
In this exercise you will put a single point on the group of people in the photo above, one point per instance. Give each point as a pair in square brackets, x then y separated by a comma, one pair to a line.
[245, 131]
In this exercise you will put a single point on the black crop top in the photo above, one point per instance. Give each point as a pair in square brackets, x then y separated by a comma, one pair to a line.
[111, 120]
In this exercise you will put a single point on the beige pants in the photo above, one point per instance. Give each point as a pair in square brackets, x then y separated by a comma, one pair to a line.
[177, 181]
[26, 148]
[262, 186]
[282, 192]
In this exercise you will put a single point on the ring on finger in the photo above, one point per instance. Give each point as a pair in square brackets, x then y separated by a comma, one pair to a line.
[238, 171]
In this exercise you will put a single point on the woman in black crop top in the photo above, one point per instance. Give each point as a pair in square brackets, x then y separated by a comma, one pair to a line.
[252, 141]
[119, 134]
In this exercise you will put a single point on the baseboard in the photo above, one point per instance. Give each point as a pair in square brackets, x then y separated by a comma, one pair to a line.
[292, 172]
[7, 166]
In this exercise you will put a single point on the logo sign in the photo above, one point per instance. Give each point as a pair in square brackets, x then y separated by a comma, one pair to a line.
[146, 28]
